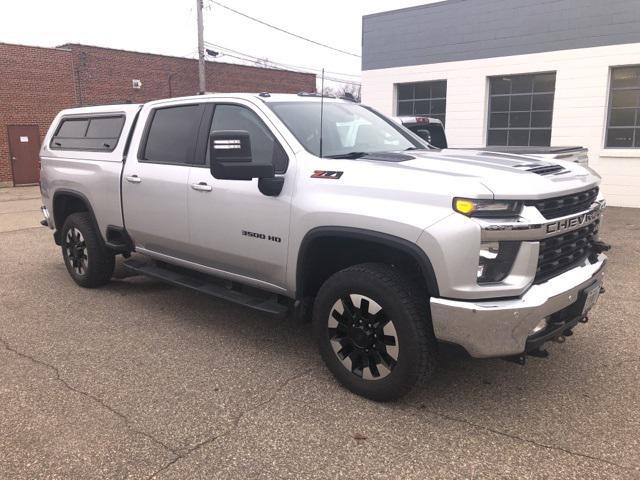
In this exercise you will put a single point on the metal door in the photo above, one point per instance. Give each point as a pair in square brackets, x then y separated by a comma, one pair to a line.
[24, 149]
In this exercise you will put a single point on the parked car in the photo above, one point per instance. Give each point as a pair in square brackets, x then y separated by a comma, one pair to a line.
[429, 129]
[389, 246]
[432, 131]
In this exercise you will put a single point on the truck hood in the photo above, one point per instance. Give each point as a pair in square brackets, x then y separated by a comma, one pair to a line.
[506, 175]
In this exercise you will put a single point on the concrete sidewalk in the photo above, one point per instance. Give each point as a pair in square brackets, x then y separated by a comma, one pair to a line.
[19, 208]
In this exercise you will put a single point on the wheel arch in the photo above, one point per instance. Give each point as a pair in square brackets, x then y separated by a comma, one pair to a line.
[308, 276]
[67, 202]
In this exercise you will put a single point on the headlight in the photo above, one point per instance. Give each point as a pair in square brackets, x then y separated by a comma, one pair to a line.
[487, 208]
[495, 260]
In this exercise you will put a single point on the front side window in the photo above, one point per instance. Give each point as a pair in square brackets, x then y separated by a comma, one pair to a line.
[521, 109]
[423, 98]
[623, 125]
[91, 134]
[172, 133]
[265, 149]
[347, 128]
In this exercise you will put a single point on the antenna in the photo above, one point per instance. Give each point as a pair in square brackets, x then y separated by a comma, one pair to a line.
[321, 109]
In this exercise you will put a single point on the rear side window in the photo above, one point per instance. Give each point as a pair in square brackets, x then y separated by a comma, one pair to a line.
[171, 134]
[98, 134]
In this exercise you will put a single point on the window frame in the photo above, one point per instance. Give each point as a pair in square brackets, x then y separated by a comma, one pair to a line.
[530, 111]
[142, 149]
[88, 117]
[415, 99]
[607, 125]
[203, 143]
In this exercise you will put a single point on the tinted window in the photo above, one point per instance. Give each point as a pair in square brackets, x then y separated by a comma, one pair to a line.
[91, 134]
[108, 127]
[264, 147]
[423, 98]
[171, 137]
[520, 109]
[623, 125]
[73, 128]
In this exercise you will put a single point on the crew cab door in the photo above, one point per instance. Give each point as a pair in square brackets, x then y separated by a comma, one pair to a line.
[155, 180]
[235, 228]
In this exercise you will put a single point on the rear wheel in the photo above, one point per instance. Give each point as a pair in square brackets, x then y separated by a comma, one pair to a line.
[88, 261]
[374, 332]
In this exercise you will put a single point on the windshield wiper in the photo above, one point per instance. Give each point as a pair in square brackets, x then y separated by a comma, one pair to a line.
[348, 155]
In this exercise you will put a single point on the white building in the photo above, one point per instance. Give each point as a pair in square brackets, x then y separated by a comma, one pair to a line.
[517, 72]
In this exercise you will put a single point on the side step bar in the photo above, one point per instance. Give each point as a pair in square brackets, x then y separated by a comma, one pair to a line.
[207, 285]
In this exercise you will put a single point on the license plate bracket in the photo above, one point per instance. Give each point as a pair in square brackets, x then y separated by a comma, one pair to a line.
[589, 297]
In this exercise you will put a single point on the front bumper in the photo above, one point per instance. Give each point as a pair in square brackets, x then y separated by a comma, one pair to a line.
[496, 328]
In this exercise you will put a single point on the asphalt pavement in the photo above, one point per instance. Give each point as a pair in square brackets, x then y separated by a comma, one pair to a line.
[144, 380]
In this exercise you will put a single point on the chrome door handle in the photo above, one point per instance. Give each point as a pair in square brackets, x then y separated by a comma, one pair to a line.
[202, 187]
[133, 179]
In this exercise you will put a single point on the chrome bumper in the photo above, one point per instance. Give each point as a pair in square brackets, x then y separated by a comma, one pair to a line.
[499, 328]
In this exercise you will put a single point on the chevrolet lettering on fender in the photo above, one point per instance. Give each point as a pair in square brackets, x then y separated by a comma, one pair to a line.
[332, 212]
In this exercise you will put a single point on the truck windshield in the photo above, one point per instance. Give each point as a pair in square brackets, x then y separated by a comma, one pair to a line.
[349, 130]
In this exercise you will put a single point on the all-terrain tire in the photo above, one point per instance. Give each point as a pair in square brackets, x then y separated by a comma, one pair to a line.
[398, 302]
[87, 259]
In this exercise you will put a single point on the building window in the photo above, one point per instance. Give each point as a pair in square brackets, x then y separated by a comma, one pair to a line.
[520, 109]
[423, 98]
[623, 126]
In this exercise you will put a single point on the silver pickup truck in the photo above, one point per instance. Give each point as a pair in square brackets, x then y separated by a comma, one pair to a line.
[327, 209]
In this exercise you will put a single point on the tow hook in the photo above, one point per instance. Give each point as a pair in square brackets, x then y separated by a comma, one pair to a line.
[600, 246]
[584, 320]
[559, 339]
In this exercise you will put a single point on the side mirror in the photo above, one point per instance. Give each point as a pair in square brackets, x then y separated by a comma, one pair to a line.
[230, 157]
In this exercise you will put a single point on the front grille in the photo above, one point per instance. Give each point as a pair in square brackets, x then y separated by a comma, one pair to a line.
[563, 252]
[566, 205]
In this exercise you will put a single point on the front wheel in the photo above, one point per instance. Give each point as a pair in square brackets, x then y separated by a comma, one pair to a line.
[88, 261]
[374, 332]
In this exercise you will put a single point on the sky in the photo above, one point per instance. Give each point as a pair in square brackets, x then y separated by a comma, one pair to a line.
[169, 27]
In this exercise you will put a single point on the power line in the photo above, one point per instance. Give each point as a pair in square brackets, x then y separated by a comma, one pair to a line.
[277, 65]
[283, 30]
[286, 65]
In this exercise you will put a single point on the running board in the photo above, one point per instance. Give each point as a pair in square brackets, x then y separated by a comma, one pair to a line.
[207, 285]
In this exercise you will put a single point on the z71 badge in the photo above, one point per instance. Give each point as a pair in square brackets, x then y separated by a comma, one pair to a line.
[326, 174]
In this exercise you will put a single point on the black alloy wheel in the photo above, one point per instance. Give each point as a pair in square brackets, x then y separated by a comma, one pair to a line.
[77, 251]
[363, 337]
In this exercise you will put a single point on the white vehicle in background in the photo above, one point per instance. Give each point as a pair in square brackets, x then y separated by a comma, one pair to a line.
[432, 131]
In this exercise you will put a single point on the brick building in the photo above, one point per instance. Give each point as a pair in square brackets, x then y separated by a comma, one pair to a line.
[36, 83]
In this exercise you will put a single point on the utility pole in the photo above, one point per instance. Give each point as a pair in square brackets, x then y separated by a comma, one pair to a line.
[202, 84]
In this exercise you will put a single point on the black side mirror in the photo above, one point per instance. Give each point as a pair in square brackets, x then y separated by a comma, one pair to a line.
[230, 157]
[425, 134]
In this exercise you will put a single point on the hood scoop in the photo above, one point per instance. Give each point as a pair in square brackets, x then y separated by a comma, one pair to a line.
[541, 168]
[388, 157]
